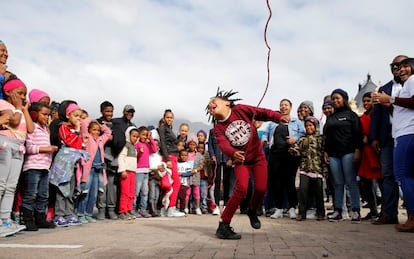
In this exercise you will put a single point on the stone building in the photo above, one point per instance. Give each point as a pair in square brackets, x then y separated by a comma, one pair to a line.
[356, 104]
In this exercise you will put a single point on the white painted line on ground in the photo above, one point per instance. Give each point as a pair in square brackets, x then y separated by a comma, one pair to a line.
[40, 246]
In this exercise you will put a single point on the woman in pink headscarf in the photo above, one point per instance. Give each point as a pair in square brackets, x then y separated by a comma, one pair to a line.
[12, 138]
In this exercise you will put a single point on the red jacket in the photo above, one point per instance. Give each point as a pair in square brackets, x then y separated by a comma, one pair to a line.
[69, 137]
[370, 165]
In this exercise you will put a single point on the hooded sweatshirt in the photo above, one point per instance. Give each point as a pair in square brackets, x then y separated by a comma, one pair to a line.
[127, 159]
[310, 148]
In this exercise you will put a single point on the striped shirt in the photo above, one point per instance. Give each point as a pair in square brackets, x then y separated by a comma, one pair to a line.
[33, 159]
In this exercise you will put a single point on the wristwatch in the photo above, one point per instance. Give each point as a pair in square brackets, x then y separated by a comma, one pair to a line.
[392, 99]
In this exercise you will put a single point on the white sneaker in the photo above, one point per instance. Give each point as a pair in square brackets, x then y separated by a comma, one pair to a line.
[311, 214]
[186, 211]
[15, 226]
[292, 213]
[172, 212]
[345, 215]
[216, 211]
[163, 212]
[6, 229]
[198, 211]
[278, 214]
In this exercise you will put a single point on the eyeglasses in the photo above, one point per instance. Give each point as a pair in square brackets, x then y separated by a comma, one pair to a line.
[395, 66]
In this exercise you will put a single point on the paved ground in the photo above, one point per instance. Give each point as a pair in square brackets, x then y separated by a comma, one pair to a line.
[193, 237]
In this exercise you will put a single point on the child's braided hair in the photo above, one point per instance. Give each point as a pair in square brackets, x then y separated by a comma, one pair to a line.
[224, 95]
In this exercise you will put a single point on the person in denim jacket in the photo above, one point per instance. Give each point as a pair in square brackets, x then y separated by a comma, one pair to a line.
[282, 166]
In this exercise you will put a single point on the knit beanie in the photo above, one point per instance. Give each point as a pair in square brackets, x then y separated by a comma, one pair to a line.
[202, 131]
[13, 84]
[312, 119]
[192, 138]
[340, 92]
[35, 95]
[327, 103]
[309, 104]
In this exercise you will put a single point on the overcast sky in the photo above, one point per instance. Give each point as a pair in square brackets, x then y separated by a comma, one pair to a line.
[173, 54]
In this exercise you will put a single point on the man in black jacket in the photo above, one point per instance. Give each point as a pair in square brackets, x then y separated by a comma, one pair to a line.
[107, 200]
[118, 127]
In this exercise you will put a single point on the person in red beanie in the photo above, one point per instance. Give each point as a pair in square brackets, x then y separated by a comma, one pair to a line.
[237, 138]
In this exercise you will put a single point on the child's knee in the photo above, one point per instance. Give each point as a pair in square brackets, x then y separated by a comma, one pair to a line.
[240, 192]
[260, 190]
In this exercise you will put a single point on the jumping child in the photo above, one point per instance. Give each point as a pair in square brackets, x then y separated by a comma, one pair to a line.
[237, 138]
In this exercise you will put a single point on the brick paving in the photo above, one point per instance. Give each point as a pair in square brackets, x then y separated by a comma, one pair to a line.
[193, 237]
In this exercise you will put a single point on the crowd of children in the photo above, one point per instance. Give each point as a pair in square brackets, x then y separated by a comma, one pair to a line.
[58, 165]
[60, 184]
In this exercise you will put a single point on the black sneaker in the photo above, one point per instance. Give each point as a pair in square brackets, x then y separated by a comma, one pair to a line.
[224, 231]
[254, 220]
[270, 212]
[335, 217]
[371, 216]
[355, 217]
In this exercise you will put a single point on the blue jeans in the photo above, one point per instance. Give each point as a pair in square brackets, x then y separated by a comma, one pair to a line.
[203, 194]
[36, 193]
[141, 190]
[345, 173]
[390, 195]
[87, 201]
[154, 191]
[404, 168]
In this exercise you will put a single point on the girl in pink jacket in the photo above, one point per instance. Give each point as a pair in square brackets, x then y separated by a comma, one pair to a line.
[93, 178]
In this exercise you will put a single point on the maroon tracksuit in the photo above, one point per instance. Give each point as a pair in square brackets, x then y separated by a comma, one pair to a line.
[237, 133]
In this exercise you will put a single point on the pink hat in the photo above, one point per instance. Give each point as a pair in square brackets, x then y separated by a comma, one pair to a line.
[72, 107]
[35, 95]
[13, 84]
